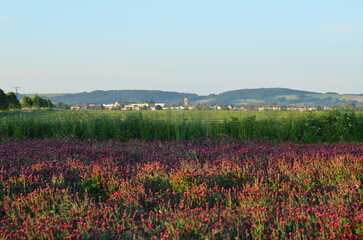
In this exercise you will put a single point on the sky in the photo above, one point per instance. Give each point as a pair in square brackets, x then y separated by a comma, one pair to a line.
[194, 46]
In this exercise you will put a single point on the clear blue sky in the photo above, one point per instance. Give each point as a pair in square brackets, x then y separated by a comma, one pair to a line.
[195, 46]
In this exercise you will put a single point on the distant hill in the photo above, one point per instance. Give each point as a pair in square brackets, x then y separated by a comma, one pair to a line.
[281, 96]
[43, 95]
[268, 95]
[285, 96]
[132, 96]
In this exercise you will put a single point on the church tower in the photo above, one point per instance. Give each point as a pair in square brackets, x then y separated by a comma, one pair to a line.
[186, 101]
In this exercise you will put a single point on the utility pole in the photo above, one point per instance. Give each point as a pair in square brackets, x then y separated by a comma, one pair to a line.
[16, 89]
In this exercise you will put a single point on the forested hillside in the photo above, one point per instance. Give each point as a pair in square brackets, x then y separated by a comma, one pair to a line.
[280, 96]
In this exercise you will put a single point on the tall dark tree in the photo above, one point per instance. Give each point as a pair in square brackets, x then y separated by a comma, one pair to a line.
[4, 105]
[37, 101]
[50, 104]
[27, 102]
[13, 100]
[41, 102]
[64, 106]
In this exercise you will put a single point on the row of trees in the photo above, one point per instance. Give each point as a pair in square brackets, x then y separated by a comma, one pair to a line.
[10, 101]
[37, 102]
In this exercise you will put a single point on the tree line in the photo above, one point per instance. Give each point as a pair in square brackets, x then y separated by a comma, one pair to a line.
[10, 101]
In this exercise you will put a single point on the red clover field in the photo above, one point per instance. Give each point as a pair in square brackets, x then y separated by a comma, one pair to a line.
[220, 188]
[59, 182]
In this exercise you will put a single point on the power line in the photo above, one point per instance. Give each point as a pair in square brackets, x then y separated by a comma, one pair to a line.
[16, 89]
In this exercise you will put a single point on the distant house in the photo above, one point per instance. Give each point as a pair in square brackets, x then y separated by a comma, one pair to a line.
[216, 107]
[117, 105]
[92, 106]
[275, 108]
[126, 108]
[291, 109]
[108, 106]
[230, 107]
[269, 108]
[136, 107]
[84, 107]
[113, 106]
[263, 108]
[75, 107]
[312, 109]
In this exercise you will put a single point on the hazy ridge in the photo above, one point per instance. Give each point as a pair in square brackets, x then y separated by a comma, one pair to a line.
[281, 96]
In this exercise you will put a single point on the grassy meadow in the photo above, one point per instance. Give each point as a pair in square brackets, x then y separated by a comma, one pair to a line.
[329, 126]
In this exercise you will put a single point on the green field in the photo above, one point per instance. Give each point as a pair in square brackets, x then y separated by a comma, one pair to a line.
[182, 125]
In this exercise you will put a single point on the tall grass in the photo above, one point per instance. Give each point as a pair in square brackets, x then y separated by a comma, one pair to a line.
[182, 125]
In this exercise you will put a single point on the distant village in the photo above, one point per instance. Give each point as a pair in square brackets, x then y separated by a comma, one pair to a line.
[187, 106]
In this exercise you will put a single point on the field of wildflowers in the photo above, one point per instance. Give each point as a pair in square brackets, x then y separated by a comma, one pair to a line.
[220, 188]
